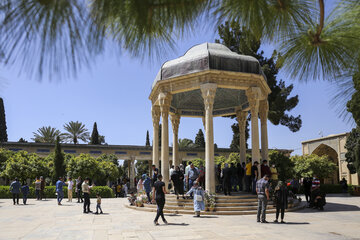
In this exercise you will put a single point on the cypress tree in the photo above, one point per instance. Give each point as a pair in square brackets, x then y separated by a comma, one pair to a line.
[199, 139]
[59, 165]
[3, 133]
[95, 136]
[147, 139]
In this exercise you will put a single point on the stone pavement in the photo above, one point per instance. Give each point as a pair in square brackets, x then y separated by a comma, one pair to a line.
[45, 220]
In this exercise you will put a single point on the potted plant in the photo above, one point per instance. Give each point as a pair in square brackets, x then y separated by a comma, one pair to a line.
[209, 201]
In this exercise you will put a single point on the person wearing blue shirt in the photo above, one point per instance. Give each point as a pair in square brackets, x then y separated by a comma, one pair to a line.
[25, 191]
[147, 186]
[15, 190]
[59, 190]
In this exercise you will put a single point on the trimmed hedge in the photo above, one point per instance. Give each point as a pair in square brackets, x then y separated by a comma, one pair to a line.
[104, 191]
[332, 188]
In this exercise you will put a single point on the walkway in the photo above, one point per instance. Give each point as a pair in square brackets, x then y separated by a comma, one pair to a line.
[46, 220]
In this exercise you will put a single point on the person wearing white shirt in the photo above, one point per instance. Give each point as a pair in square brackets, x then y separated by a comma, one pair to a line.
[70, 184]
[186, 178]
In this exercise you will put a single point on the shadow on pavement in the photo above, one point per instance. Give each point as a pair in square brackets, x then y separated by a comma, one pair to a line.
[176, 224]
[209, 217]
[333, 207]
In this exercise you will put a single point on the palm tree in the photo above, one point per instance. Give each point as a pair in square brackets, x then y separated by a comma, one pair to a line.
[76, 130]
[70, 33]
[46, 135]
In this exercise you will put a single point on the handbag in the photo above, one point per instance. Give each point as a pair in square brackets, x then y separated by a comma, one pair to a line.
[169, 186]
[198, 197]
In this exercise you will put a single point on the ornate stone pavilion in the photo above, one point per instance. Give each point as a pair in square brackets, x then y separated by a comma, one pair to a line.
[209, 81]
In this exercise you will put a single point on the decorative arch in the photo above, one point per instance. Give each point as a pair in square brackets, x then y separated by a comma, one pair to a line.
[324, 149]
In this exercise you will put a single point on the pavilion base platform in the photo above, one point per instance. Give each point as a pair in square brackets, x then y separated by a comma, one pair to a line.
[236, 204]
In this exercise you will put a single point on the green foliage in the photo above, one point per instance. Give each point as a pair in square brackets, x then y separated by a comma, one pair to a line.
[198, 161]
[24, 165]
[75, 131]
[220, 160]
[49, 192]
[243, 41]
[147, 143]
[95, 136]
[233, 158]
[313, 165]
[141, 167]
[59, 165]
[22, 140]
[353, 150]
[83, 165]
[186, 143]
[4, 156]
[46, 135]
[3, 132]
[199, 139]
[354, 103]
[283, 164]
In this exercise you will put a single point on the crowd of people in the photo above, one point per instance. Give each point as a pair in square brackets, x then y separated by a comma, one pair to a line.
[82, 189]
[189, 182]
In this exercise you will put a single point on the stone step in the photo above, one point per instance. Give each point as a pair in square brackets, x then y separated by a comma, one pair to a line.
[245, 200]
[244, 212]
[172, 203]
[217, 208]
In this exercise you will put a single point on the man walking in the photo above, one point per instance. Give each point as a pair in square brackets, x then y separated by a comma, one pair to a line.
[86, 190]
[59, 190]
[262, 190]
[15, 190]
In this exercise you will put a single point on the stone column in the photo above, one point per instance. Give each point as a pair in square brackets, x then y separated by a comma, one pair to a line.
[165, 100]
[253, 95]
[150, 168]
[175, 121]
[264, 109]
[208, 91]
[241, 119]
[155, 111]
[132, 171]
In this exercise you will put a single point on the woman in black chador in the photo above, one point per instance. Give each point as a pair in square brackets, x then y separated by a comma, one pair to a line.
[281, 200]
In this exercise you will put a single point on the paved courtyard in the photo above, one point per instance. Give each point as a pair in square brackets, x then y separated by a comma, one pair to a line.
[46, 220]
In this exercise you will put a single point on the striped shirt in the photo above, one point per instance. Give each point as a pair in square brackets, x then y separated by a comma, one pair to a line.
[261, 186]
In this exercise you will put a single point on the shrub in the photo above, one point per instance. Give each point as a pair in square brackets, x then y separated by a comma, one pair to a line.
[331, 188]
[105, 192]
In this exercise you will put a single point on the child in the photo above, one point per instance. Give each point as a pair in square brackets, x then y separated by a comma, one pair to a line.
[199, 197]
[118, 190]
[132, 199]
[25, 191]
[98, 204]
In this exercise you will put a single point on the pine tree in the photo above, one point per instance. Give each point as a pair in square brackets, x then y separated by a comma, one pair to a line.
[147, 139]
[95, 136]
[59, 165]
[199, 139]
[3, 133]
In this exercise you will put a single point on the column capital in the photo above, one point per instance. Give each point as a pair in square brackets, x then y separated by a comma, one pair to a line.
[208, 91]
[253, 94]
[155, 112]
[241, 117]
[263, 109]
[175, 121]
[164, 102]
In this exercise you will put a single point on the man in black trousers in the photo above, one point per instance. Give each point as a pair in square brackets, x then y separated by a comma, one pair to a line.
[226, 172]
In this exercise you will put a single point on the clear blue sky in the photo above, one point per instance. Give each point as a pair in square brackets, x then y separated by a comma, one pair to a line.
[114, 93]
